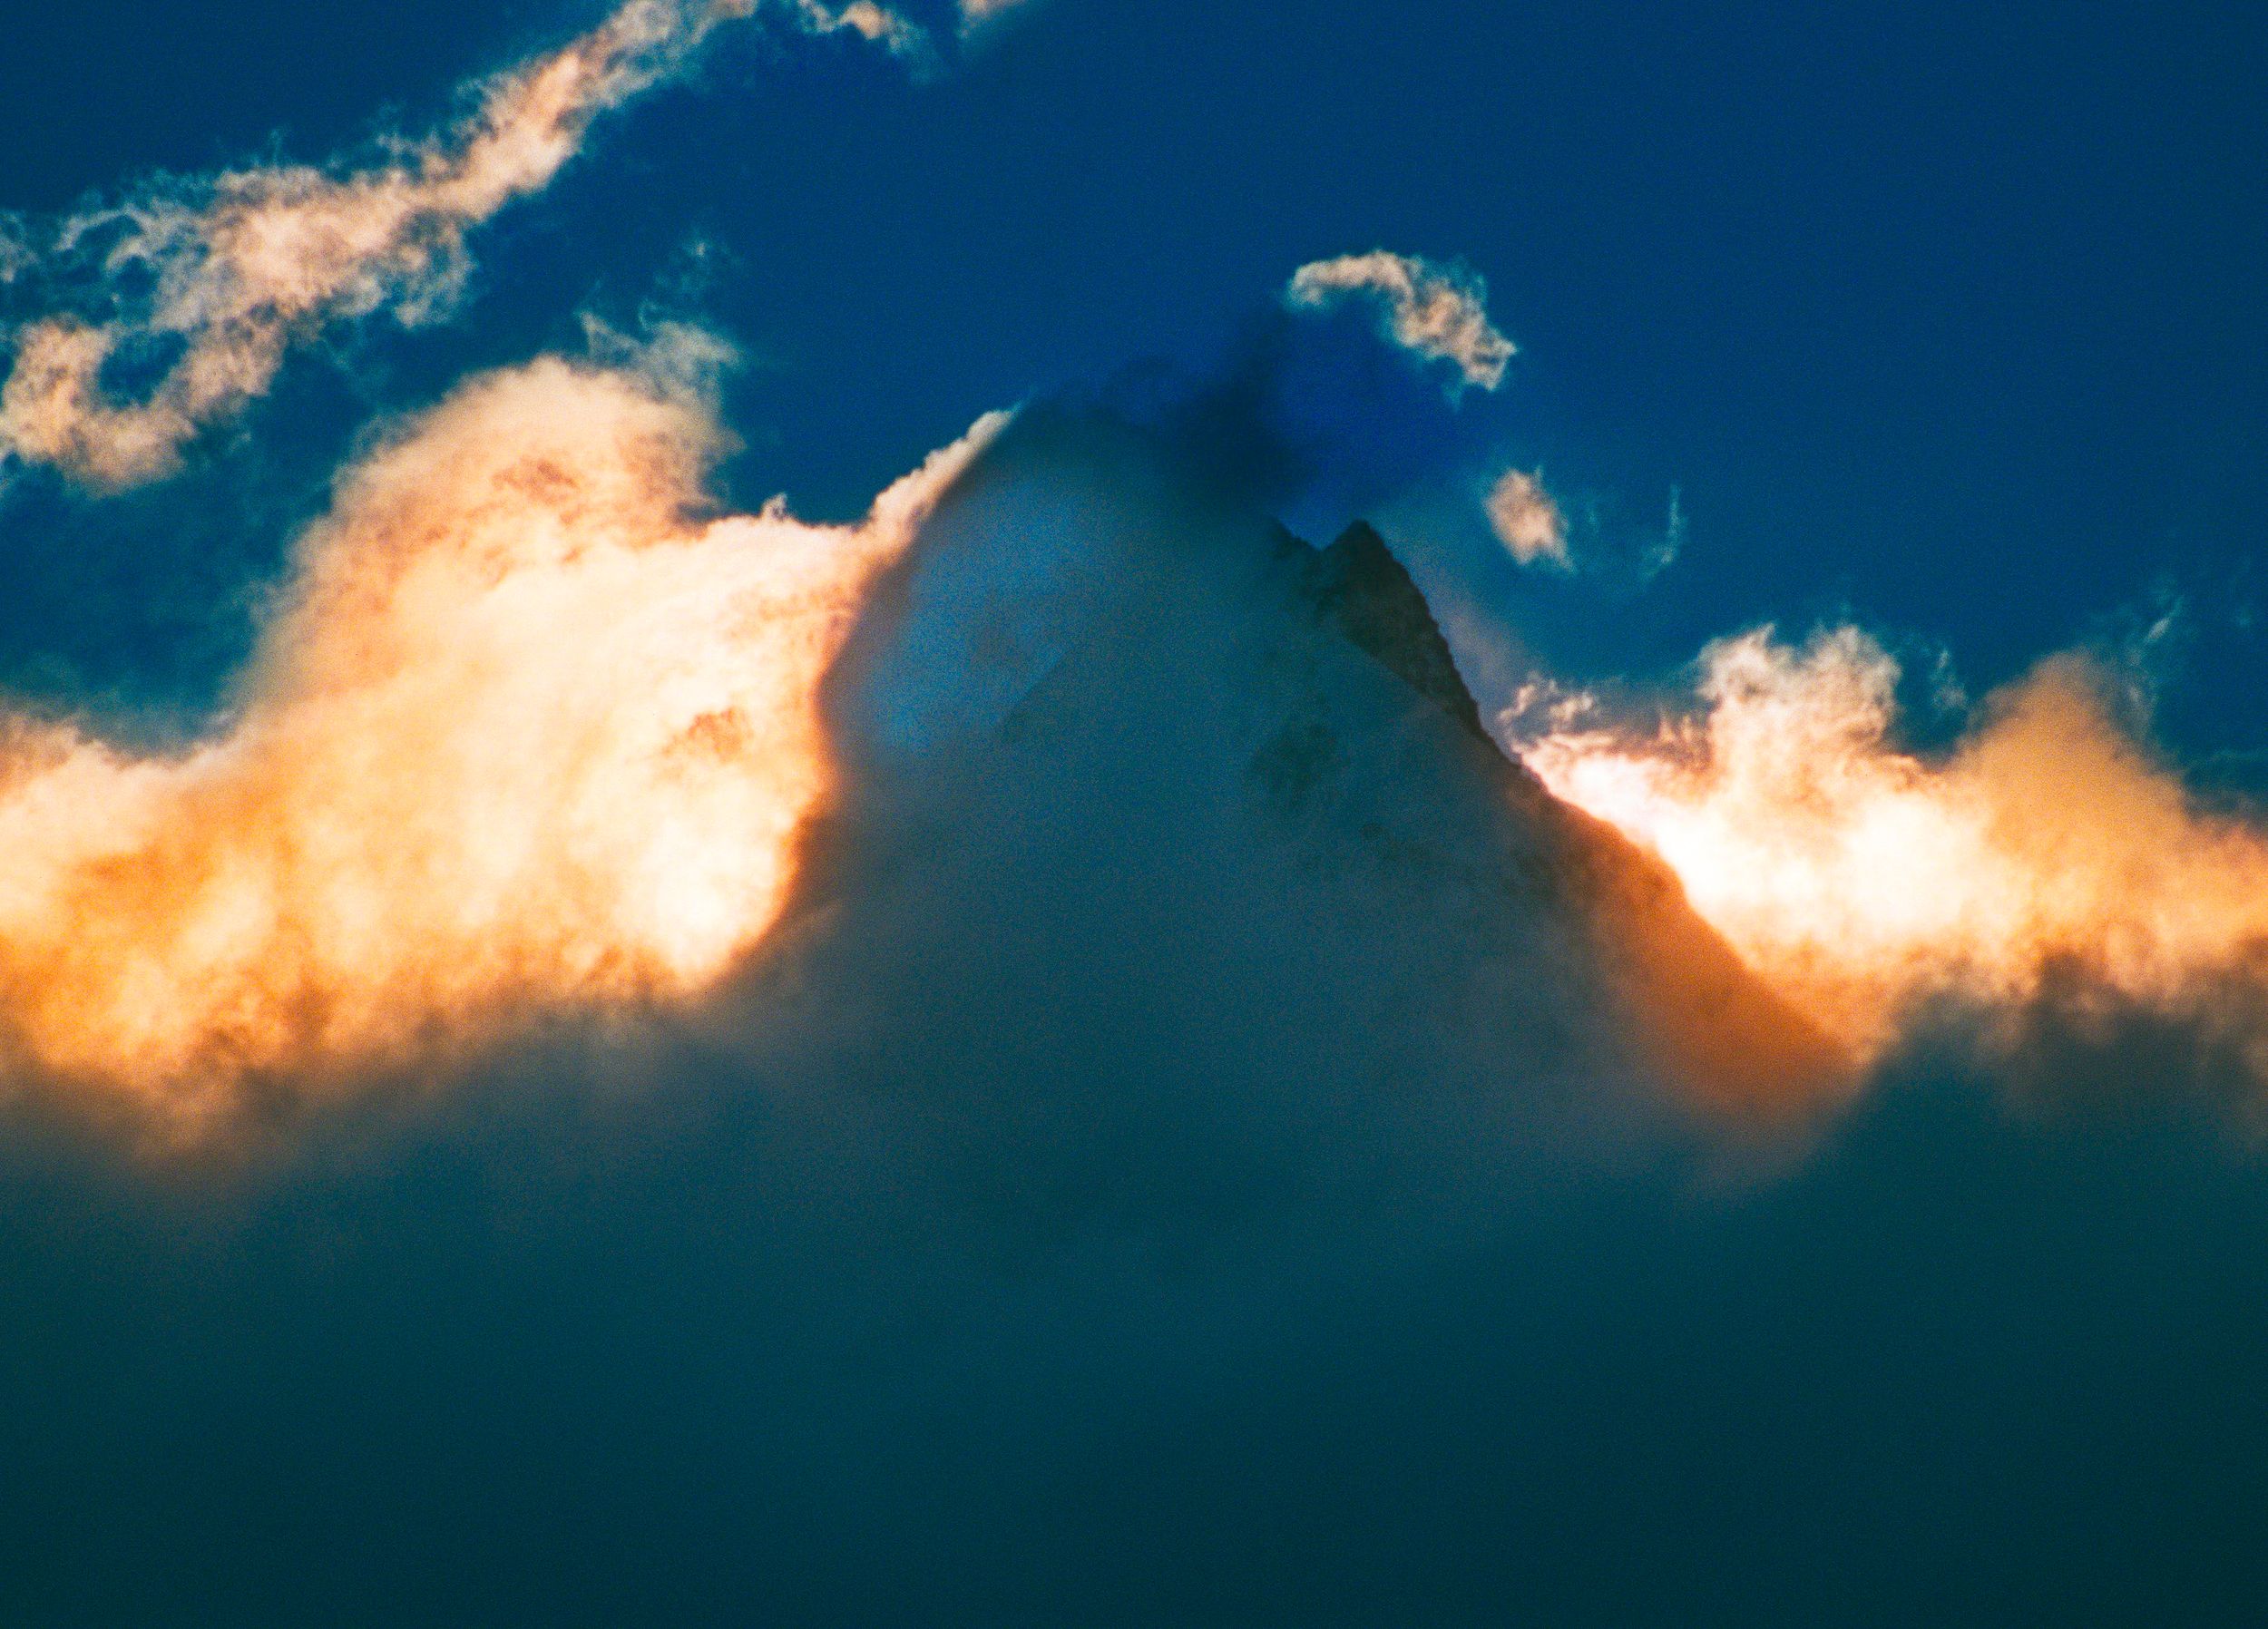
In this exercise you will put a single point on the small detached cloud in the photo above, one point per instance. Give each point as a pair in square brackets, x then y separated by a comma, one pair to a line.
[1527, 521]
[1437, 313]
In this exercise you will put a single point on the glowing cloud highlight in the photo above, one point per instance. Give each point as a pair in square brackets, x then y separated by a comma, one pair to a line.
[523, 731]
[2045, 856]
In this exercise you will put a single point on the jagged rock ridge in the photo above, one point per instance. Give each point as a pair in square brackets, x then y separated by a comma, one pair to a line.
[1124, 750]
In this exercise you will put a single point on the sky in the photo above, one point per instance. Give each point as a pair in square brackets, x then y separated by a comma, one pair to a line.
[714, 909]
[1896, 303]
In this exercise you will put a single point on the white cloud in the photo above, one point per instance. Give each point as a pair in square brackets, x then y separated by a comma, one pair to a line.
[1437, 312]
[1527, 521]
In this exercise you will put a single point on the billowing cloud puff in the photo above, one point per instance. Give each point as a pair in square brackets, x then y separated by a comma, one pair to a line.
[1439, 313]
[2047, 855]
[524, 732]
[211, 280]
[1526, 520]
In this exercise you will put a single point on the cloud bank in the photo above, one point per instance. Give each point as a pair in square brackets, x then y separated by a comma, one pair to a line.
[2047, 857]
[523, 729]
[1196, 1158]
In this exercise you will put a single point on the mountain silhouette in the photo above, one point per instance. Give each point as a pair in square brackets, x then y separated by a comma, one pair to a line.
[1150, 802]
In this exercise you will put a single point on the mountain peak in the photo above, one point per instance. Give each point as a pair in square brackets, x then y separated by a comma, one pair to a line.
[1191, 763]
[1360, 588]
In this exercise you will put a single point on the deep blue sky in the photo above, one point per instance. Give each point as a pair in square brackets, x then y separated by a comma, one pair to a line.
[1935, 314]
[1942, 314]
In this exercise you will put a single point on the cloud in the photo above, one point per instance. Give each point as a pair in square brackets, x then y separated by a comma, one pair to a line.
[1188, 1145]
[975, 13]
[2048, 856]
[1526, 520]
[522, 730]
[529, 737]
[1169, 1133]
[204, 284]
[1439, 313]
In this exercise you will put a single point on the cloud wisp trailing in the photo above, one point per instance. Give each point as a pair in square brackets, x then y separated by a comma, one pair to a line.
[1436, 313]
[205, 284]
[523, 731]
[2045, 859]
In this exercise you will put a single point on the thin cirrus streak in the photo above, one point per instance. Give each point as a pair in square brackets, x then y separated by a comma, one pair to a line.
[209, 281]
[2045, 856]
[523, 733]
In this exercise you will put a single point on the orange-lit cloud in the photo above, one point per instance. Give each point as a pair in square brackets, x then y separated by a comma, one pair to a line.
[219, 277]
[523, 731]
[2047, 850]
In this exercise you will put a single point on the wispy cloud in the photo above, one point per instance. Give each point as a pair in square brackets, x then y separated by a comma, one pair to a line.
[203, 285]
[1439, 313]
